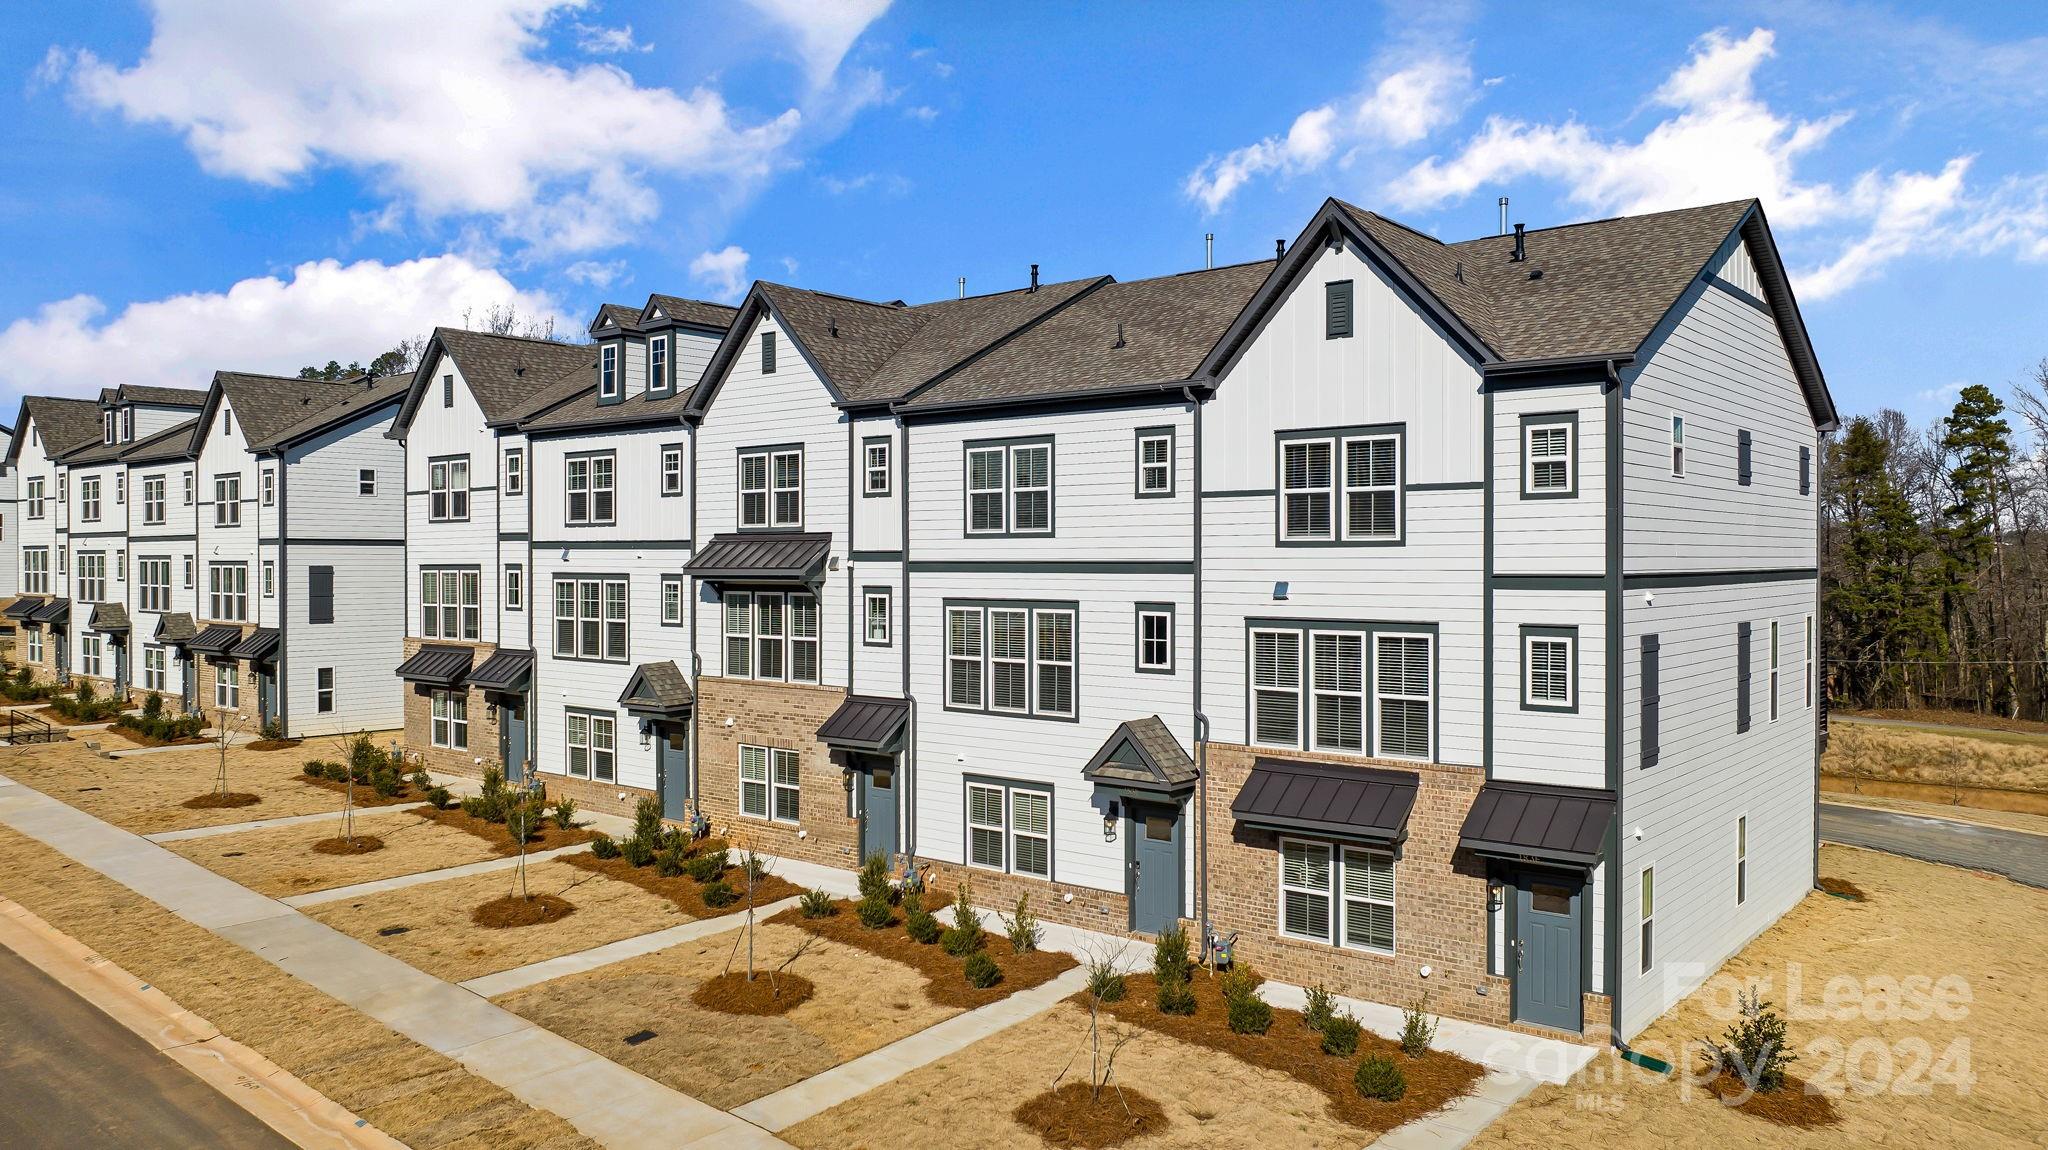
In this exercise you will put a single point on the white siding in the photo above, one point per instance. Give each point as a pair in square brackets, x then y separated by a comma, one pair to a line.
[1542, 746]
[439, 431]
[589, 685]
[362, 644]
[1549, 535]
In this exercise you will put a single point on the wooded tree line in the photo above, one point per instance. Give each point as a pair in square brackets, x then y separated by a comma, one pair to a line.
[1934, 556]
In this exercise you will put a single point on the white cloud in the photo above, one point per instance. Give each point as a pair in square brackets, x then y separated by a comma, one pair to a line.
[886, 183]
[599, 40]
[599, 274]
[922, 112]
[322, 310]
[450, 108]
[1404, 105]
[1722, 141]
[724, 271]
[824, 32]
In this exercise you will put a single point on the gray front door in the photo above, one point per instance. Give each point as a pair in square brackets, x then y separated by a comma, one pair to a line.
[512, 740]
[672, 770]
[1155, 858]
[878, 808]
[266, 696]
[62, 644]
[188, 682]
[120, 668]
[1547, 949]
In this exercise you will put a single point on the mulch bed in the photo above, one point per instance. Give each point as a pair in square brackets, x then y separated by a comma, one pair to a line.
[1843, 888]
[682, 890]
[213, 801]
[732, 993]
[1790, 1105]
[1296, 1051]
[512, 910]
[1073, 1115]
[359, 845]
[142, 740]
[944, 982]
[496, 834]
[366, 796]
[271, 744]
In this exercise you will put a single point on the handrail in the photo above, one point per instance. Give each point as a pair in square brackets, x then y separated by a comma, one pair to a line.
[24, 727]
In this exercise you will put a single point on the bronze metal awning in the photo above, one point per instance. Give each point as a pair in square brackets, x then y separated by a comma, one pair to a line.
[436, 666]
[1363, 803]
[870, 723]
[1538, 823]
[506, 672]
[764, 557]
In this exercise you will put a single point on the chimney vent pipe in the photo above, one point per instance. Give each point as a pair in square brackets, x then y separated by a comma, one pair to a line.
[1034, 277]
[1209, 250]
[1521, 252]
[963, 287]
[1503, 215]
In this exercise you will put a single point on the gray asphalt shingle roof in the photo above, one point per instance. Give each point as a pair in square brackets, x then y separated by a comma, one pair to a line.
[506, 373]
[1142, 753]
[65, 425]
[361, 397]
[267, 405]
[171, 443]
[658, 688]
[703, 313]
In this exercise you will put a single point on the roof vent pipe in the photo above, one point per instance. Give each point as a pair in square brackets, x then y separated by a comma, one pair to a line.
[1209, 250]
[963, 287]
[1034, 277]
[1503, 215]
[1279, 248]
[1521, 253]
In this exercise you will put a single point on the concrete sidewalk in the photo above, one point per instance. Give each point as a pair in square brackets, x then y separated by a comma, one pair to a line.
[265, 824]
[605, 1101]
[400, 882]
[533, 974]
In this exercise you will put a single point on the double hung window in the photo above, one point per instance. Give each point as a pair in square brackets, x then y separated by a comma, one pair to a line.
[1343, 896]
[1342, 487]
[771, 635]
[772, 487]
[593, 746]
[590, 494]
[448, 489]
[228, 592]
[1009, 828]
[769, 784]
[1010, 488]
[1011, 658]
[451, 603]
[590, 619]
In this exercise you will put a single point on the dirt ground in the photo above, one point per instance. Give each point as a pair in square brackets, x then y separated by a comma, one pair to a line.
[2008, 820]
[1952, 718]
[1212, 1101]
[861, 1003]
[408, 1091]
[279, 861]
[442, 941]
[1887, 1071]
[142, 794]
[1907, 754]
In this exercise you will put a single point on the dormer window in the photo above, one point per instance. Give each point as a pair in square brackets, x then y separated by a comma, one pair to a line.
[107, 426]
[608, 372]
[657, 365]
[127, 425]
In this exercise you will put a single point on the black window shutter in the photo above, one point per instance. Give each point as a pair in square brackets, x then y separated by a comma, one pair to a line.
[319, 594]
[1805, 470]
[1741, 677]
[1651, 699]
[1742, 458]
[767, 353]
[1337, 309]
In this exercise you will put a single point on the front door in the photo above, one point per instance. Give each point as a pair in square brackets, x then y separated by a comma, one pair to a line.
[1155, 862]
[672, 770]
[878, 808]
[266, 696]
[1547, 950]
[61, 648]
[188, 682]
[120, 668]
[512, 741]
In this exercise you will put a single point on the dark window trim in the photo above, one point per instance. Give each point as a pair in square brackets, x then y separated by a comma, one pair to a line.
[1052, 484]
[682, 586]
[888, 444]
[888, 595]
[1303, 705]
[1530, 631]
[600, 577]
[753, 592]
[504, 574]
[1138, 613]
[1052, 806]
[513, 486]
[661, 464]
[1336, 436]
[1569, 419]
[450, 490]
[802, 486]
[590, 492]
[1172, 436]
[590, 766]
[1030, 607]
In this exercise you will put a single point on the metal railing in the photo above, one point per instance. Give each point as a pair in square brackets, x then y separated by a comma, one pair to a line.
[23, 727]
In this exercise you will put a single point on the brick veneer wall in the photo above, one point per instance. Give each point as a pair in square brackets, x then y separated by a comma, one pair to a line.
[419, 729]
[787, 716]
[1091, 909]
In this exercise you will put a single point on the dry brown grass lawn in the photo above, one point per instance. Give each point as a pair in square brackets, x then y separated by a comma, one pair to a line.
[1212, 1102]
[1911, 755]
[143, 794]
[861, 1003]
[280, 861]
[442, 940]
[411, 1093]
[1919, 919]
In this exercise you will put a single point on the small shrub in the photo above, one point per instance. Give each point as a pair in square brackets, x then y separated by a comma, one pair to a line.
[668, 863]
[494, 779]
[1249, 1014]
[705, 867]
[524, 819]
[1176, 997]
[647, 820]
[1021, 927]
[637, 852]
[152, 706]
[1340, 1035]
[438, 796]
[313, 769]
[675, 839]
[1418, 1029]
[1170, 956]
[385, 780]
[473, 806]
[273, 730]
[1753, 1047]
[1321, 1006]
[817, 903]
[1240, 982]
[422, 781]
[85, 692]
[874, 877]
[338, 773]
[757, 868]
[965, 935]
[1378, 1077]
[920, 924]
[565, 813]
[982, 971]
[719, 893]
[603, 847]
[874, 912]
[1105, 981]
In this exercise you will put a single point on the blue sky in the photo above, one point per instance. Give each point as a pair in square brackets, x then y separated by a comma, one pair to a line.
[201, 184]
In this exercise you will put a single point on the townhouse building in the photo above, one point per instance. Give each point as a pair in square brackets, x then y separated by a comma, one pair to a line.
[10, 554]
[46, 431]
[163, 547]
[301, 545]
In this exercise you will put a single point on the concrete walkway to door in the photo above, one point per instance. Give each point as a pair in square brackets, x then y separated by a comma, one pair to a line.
[605, 1101]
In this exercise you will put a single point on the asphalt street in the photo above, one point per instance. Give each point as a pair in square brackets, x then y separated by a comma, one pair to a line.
[2017, 855]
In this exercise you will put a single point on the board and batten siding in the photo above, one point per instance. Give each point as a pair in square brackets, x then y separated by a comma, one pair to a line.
[226, 452]
[440, 432]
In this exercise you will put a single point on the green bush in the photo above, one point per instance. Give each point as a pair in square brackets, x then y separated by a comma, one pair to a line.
[314, 769]
[920, 924]
[1176, 997]
[272, 731]
[338, 773]
[647, 820]
[817, 903]
[152, 706]
[1321, 1005]
[565, 813]
[603, 847]
[706, 867]
[1105, 981]
[719, 893]
[385, 780]
[364, 755]
[1754, 1046]
[1249, 1014]
[1378, 1077]
[1340, 1035]
[1170, 956]
[438, 796]
[1240, 982]
[1418, 1029]
[874, 912]
[964, 937]
[1021, 927]
[874, 877]
[637, 852]
[422, 781]
[982, 971]
[668, 863]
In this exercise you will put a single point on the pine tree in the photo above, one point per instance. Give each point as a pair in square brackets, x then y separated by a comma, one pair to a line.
[1978, 441]
[1882, 606]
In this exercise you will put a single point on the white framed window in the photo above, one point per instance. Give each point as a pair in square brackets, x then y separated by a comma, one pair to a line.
[1547, 457]
[1646, 913]
[803, 638]
[769, 784]
[89, 655]
[875, 467]
[1155, 462]
[154, 677]
[964, 655]
[1031, 832]
[576, 738]
[1010, 488]
[227, 501]
[34, 497]
[738, 609]
[657, 364]
[121, 565]
[1053, 653]
[1774, 670]
[448, 489]
[153, 502]
[190, 484]
[227, 687]
[1337, 691]
[451, 720]
[590, 619]
[1402, 681]
[772, 487]
[1678, 446]
[1305, 886]
[35, 571]
[589, 480]
[876, 611]
[515, 587]
[608, 372]
[1276, 688]
[1009, 828]
[1741, 859]
[1009, 660]
[1031, 489]
[92, 576]
[1549, 656]
[985, 508]
[228, 592]
[1306, 491]
[89, 498]
[153, 584]
[515, 471]
[35, 645]
[366, 481]
[1372, 482]
[593, 745]
[671, 601]
[1339, 896]
[451, 603]
[771, 635]
[120, 487]
[986, 832]
[672, 470]
[270, 578]
[1368, 885]
[266, 486]
[1155, 639]
[1809, 661]
[1026, 664]
[323, 690]
[188, 564]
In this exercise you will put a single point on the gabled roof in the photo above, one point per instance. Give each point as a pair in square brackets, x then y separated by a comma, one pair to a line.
[615, 315]
[177, 442]
[695, 312]
[64, 425]
[108, 618]
[191, 397]
[366, 395]
[657, 690]
[267, 405]
[505, 373]
[176, 627]
[1142, 755]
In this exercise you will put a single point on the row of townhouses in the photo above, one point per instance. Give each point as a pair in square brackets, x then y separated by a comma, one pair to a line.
[1419, 617]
